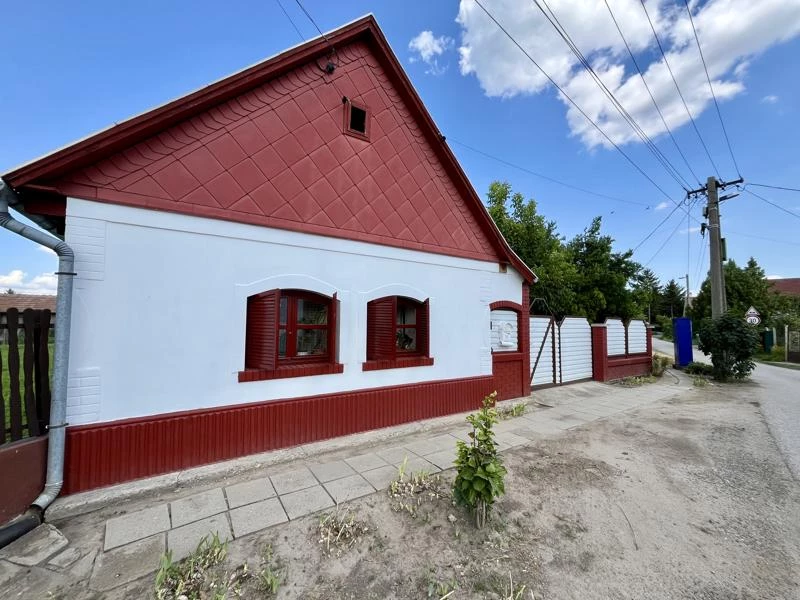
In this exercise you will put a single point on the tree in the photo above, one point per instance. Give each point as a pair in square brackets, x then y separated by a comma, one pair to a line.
[9, 291]
[744, 287]
[647, 292]
[672, 299]
[601, 287]
[537, 243]
[732, 344]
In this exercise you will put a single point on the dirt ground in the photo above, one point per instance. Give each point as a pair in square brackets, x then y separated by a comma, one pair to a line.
[686, 499]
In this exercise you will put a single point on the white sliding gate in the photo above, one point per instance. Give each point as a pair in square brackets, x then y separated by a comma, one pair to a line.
[560, 353]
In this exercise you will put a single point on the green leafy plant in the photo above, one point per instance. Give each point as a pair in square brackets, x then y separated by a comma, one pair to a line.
[697, 368]
[665, 324]
[480, 471]
[732, 344]
[509, 412]
[270, 574]
[409, 492]
[190, 577]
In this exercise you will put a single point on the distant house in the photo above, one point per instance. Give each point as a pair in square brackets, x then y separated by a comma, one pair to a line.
[789, 286]
[290, 254]
[22, 302]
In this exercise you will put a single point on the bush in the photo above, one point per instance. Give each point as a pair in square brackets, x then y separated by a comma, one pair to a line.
[696, 368]
[480, 475]
[777, 354]
[665, 325]
[732, 344]
[661, 363]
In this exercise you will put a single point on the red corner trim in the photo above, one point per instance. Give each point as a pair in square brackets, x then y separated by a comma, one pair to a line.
[286, 371]
[127, 133]
[397, 363]
[500, 304]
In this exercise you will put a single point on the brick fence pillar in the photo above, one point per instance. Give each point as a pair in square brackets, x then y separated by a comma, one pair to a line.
[525, 339]
[650, 340]
[599, 352]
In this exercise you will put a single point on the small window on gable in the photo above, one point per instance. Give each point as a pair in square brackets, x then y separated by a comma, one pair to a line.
[356, 119]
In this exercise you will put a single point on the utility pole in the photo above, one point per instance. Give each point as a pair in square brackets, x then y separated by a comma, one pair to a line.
[719, 303]
[686, 299]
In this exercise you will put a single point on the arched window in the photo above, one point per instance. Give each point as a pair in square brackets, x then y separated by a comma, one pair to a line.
[397, 332]
[290, 329]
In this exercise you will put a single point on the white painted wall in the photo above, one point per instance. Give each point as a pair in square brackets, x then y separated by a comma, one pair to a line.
[637, 337]
[575, 338]
[159, 309]
[616, 337]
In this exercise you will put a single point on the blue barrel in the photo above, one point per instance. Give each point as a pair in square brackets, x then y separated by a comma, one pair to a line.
[682, 334]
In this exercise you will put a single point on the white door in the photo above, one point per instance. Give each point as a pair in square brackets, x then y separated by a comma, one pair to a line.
[575, 337]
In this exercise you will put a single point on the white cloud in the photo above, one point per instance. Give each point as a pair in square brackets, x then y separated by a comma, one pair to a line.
[731, 32]
[690, 230]
[428, 48]
[662, 205]
[774, 277]
[21, 283]
[47, 250]
[770, 99]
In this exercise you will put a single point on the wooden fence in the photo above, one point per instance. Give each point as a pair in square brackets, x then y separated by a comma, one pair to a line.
[25, 409]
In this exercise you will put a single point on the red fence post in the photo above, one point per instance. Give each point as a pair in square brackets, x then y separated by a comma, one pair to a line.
[599, 352]
[649, 340]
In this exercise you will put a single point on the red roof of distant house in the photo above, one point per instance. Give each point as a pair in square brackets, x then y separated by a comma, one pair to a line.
[789, 286]
[434, 224]
[23, 301]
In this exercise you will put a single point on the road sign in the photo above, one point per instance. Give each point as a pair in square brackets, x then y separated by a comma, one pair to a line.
[753, 319]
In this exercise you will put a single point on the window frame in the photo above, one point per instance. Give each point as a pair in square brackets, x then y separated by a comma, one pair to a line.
[384, 358]
[348, 106]
[292, 327]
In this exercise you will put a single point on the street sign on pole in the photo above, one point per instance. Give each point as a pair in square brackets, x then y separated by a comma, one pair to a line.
[752, 316]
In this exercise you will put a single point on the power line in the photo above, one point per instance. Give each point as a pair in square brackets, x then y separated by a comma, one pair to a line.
[775, 187]
[313, 22]
[558, 87]
[711, 87]
[299, 33]
[562, 32]
[649, 91]
[546, 177]
[771, 203]
[667, 239]
[766, 239]
[657, 227]
[677, 87]
[698, 269]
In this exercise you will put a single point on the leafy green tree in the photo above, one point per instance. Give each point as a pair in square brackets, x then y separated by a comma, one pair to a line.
[672, 299]
[647, 292]
[601, 287]
[732, 344]
[538, 244]
[744, 287]
[9, 291]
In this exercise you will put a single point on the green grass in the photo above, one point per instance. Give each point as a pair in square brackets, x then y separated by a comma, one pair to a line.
[6, 385]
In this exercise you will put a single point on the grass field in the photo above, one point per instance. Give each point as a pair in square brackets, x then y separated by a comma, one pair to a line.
[6, 384]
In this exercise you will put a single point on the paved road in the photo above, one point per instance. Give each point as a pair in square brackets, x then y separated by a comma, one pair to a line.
[778, 392]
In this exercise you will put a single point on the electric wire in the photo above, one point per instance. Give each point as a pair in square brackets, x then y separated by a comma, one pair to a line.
[774, 187]
[558, 87]
[562, 32]
[677, 87]
[546, 177]
[657, 227]
[699, 268]
[666, 240]
[711, 87]
[771, 203]
[299, 33]
[313, 22]
[650, 92]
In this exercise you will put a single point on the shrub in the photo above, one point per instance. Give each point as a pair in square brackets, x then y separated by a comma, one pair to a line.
[480, 471]
[777, 354]
[696, 368]
[732, 344]
[665, 324]
[661, 363]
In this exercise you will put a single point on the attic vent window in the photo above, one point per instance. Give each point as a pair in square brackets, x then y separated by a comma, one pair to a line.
[356, 119]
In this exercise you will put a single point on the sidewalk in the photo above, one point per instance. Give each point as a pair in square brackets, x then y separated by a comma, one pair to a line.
[121, 540]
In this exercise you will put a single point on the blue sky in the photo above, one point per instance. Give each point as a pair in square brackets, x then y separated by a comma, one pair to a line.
[71, 70]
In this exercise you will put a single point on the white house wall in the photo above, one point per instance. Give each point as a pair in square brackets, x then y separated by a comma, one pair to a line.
[159, 312]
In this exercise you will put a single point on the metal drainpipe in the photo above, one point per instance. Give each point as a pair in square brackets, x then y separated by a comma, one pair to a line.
[58, 408]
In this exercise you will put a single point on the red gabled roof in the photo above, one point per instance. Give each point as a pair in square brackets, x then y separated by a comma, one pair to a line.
[148, 160]
[23, 301]
[789, 286]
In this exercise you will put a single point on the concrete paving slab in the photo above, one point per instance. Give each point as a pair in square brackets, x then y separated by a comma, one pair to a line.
[9, 572]
[527, 432]
[65, 558]
[136, 526]
[348, 488]
[442, 459]
[304, 502]
[395, 455]
[294, 480]
[123, 565]
[431, 445]
[511, 440]
[366, 462]
[198, 506]
[381, 477]
[184, 540]
[35, 546]
[248, 492]
[418, 465]
[254, 517]
[332, 470]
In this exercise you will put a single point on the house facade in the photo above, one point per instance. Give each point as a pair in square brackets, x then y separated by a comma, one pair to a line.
[287, 255]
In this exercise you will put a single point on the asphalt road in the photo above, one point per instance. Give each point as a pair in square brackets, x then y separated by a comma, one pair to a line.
[777, 390]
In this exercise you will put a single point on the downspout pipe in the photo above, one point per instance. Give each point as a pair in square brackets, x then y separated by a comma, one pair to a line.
[58, 408]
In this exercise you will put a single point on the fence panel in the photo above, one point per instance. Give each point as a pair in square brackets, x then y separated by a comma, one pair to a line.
[575, 349]
[637, 337]
[616, 337]
[14, 400]
[542, 345]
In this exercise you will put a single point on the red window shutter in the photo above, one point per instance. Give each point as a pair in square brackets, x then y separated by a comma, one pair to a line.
[261, 344]
[381, 328]
[423, 333]
[333, 315]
